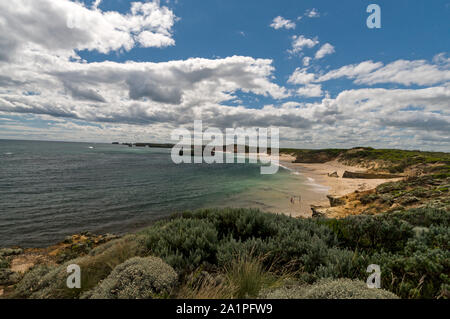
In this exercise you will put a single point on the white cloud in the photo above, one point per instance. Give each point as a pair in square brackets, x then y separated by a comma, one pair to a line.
[418, 72]
[351, 71]
[301, 76]
[151, 39]
[310, 90]
[96, 3]
[306, 60]
[135, 92]
[324, 50]
[41, 77]
[406, 72]
[280, 22]
[44, 75]
[300, 42]
[312, 13]
[31, 24]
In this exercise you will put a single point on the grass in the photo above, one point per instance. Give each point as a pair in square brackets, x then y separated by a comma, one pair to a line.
[243, 252]
[396, 161]
[245, 277]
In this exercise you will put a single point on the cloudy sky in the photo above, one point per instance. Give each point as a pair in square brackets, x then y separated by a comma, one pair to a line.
[133, 71]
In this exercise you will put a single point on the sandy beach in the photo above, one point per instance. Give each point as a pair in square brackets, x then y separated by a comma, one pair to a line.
[317, 174]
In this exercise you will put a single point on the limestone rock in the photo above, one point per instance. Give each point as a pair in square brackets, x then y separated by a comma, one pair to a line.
[335, 201]
[334, 174]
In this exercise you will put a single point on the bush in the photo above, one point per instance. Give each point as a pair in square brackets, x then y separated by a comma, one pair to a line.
[137, 278]
[420, 272]
[31, 281]
[411, 247]
[330, 289]
[342, 264]
[301, 243]
[184, 244]
[244, 224]
[8, 277]
[368, 198]
[5, 252]
[371, 233]
[231, 249]
[424, 216]
[93, 270]
[4, 263]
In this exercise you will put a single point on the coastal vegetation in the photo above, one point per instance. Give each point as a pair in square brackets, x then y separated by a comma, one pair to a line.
[245, 253]
[401, 225]
[388, 160]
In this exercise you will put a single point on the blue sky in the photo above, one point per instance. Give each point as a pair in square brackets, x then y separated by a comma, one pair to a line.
[105, 79]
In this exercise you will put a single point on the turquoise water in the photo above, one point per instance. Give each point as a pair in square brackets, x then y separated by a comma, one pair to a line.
[49, 190]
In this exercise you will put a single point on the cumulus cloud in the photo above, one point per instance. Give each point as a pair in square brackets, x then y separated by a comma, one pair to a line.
[280, 22]
[301, 76]
[300, 42]
[312, 13]
[45, 76]
[310, 90]
[31, 24]
[42, 77]
[138, 92]
[324, 50]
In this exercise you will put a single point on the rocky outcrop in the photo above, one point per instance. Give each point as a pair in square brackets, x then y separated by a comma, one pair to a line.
[335, 201]
[316, 212]
[348, 174]
[334, 174]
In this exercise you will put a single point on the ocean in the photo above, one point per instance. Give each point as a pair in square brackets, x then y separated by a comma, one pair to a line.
[49, 190]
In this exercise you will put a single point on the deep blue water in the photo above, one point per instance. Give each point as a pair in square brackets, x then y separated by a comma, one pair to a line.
[49, 190]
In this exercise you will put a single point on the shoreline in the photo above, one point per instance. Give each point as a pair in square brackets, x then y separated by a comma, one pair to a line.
[317, 174]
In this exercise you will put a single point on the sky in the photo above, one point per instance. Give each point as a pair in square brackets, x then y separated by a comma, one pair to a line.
[117, 70]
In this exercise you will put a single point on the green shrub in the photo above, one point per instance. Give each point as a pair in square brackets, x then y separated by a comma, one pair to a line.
[93, 270]
[342, 264]
[411, 247]
[230, 249]
[424, 216]
[329, 289]
[390, 187]
[137, 278]
[240, 224]
[31, 281]
[5, 252]
[184, 244]
[419, 273]
[8, 277]
[371, 233]
[368, 198]
[4, 263]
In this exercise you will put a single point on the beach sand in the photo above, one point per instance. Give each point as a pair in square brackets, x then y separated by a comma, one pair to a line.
[310, 186]
[317, 174]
